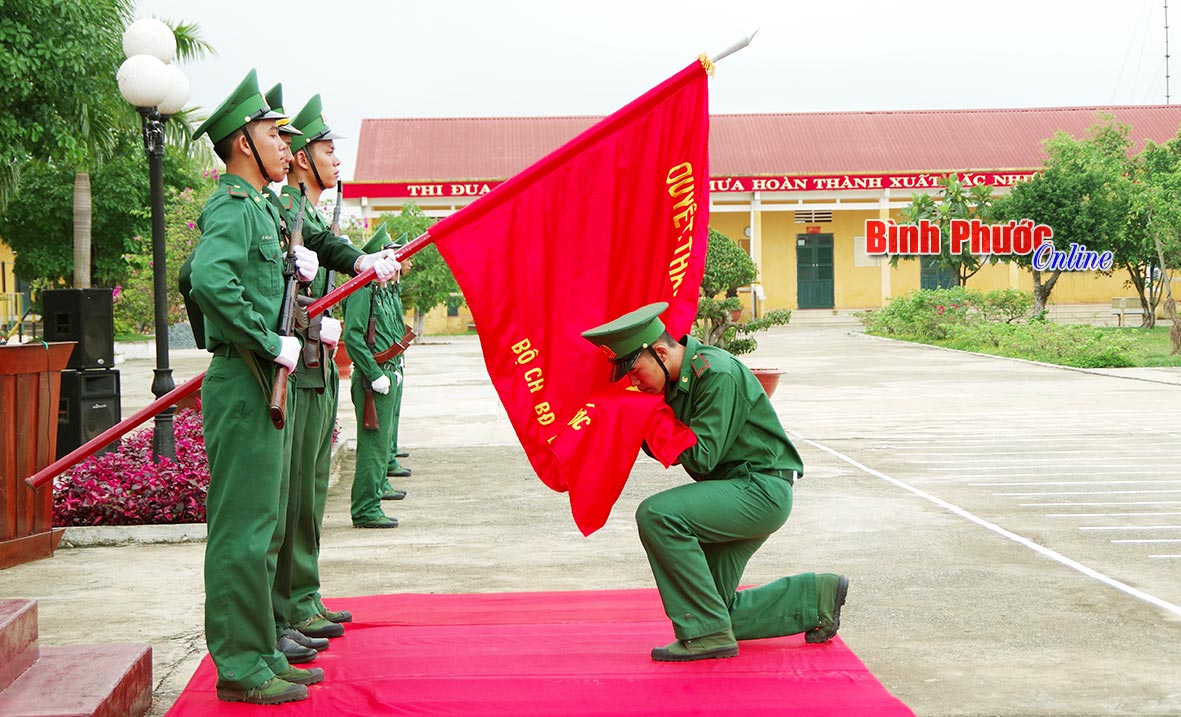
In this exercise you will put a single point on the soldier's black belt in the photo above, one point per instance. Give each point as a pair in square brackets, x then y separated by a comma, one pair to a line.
[226, 351]
[789, 476]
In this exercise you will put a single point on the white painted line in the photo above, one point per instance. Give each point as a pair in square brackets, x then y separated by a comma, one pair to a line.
[1150, 540]
[1013, 458]
[1157, 451]
[1100, 515]
[1132, 527]
[1021, 540]
[1079, 482]
[1092, 492]
[1142, 502]
[1164, 556]
[1048, 472]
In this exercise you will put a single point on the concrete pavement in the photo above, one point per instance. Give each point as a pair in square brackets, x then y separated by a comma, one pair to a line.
[1011, 531]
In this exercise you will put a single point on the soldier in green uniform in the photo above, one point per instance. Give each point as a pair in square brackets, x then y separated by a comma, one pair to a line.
[300, 614]
[236, 276]
[699, 537]
[372, 305]
[395, 469]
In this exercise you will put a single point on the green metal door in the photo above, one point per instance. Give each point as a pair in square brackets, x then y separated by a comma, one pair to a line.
[935, 275]
[814, 271]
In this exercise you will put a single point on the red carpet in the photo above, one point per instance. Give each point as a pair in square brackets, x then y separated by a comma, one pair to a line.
[557, 653]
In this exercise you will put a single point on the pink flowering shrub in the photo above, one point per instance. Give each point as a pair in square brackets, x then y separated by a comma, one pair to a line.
[124, 487]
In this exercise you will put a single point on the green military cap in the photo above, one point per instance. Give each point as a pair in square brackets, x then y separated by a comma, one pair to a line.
[378, 241]
[310, 121]
[624, 338]
[244, 105]
[402, 240]
[274, 98]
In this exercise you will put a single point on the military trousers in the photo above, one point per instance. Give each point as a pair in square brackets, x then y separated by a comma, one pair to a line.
[373, 450]
[297, 580]
[396, 392]
[699, 538]
[245, 517]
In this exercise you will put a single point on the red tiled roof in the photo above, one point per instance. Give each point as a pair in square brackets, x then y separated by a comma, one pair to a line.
[756, 144]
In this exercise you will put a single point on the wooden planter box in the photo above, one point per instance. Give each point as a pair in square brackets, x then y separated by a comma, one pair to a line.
[30, 389]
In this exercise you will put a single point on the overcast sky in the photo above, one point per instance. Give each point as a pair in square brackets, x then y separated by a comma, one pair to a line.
[445, 58]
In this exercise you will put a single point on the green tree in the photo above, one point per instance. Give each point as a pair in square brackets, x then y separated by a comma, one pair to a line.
[430, 282]
[61, 101]
[37, 224]
[1082, 194]
[728, 268]
[955, 202]
[1154, 226]
[135, 309]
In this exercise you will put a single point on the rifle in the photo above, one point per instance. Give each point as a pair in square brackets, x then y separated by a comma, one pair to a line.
[369, 411]
[288, 311]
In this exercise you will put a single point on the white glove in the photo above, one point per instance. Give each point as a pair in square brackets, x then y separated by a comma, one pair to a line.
[382, 263]
[398, 377]
[288, 352]
[329, 331]
[381, 385]
[306, 263]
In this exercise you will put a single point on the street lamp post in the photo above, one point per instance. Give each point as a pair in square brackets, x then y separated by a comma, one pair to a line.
[157, 89]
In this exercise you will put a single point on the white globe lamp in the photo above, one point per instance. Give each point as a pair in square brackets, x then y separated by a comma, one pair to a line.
[144, 80]
[149, 36]
[178, 93]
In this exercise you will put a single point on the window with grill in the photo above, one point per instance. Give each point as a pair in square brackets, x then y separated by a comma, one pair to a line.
[813, 216]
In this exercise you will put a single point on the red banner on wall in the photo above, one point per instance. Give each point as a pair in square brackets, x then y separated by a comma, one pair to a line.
[613, 220]
[719, 185]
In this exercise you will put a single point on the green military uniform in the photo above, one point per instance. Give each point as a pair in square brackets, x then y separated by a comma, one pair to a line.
[699, 537]
[373, 445]
[237, 281]
[394, 467]
[296, 597]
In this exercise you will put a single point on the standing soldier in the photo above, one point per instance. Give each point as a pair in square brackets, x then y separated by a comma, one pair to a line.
[237, 282]
[300, 614]
[700, 536]
[396, 469]
[371, 327]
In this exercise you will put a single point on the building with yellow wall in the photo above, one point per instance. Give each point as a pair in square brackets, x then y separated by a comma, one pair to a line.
[13, 294]
[794, 190]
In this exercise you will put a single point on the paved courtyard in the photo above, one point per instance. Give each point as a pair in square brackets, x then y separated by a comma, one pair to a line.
[1012, 531]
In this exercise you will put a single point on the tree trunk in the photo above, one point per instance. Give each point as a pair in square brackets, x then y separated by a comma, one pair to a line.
[1140, 283]
[1042, 291]
[419, 323]
[82, 224]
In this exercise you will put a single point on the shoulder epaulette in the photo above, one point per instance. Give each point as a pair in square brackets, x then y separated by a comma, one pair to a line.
[699, 363]
[237, 190]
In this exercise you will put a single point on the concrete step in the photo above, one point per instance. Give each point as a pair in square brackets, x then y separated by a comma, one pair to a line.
[824, 317]
[18, 639]
[83, 681]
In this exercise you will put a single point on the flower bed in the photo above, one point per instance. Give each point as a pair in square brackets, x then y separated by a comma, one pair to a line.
[124, 486]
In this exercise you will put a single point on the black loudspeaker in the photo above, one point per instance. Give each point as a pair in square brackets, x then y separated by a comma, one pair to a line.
[85, 316]
[89, 405]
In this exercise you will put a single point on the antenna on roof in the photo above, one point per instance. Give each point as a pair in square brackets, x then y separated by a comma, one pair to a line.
[1166, 52]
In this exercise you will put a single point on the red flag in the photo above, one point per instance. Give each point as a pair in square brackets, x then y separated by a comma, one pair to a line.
[615, 219]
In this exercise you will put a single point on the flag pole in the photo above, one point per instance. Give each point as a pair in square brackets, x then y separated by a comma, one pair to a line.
[735, 47]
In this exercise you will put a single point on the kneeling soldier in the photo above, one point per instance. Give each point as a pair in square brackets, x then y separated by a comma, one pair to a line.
[700, 536]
